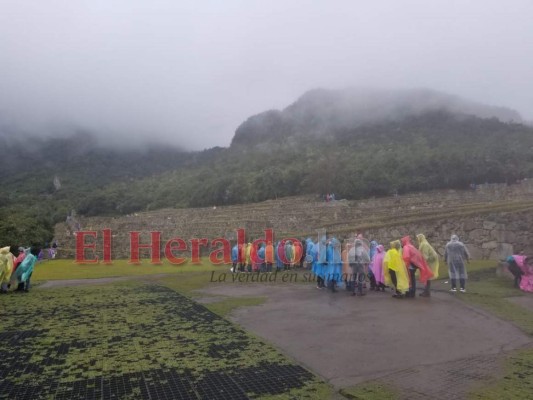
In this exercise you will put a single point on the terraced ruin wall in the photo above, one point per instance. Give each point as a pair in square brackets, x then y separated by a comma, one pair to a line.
[493, 220]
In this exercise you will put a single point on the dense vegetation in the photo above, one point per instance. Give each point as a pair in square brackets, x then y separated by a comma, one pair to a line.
[271, 156]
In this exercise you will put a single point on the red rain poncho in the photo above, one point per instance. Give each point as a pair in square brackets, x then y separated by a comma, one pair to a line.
[411, 255]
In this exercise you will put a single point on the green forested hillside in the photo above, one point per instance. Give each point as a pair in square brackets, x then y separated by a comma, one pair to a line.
[270, 156]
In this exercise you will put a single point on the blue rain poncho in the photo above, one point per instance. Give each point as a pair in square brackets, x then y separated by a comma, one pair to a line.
[235, 254]
[334, 261]
[25, 269]
[320, 249]
[373, 249]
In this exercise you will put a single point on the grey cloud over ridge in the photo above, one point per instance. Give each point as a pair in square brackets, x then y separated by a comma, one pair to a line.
[190, 72]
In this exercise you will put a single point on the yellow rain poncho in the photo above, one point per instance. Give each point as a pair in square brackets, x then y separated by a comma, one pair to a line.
[393, 261]
[429, 254]
[248, 254]
[6, 265]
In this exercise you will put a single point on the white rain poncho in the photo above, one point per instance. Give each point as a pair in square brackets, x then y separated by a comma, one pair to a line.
[456, 254]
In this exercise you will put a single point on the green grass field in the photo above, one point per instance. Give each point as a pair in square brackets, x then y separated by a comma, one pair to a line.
[67, 269]
[131, 340]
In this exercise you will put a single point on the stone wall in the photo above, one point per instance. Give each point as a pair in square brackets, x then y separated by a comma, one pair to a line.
[493, 220]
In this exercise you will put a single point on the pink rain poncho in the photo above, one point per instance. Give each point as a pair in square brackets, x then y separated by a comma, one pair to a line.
[526, 265]
[377, 264]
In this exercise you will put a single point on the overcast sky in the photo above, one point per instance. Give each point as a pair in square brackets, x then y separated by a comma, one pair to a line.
[190, 72]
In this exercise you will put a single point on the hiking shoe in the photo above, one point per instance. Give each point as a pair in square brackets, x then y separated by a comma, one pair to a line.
[463, 290]
[453, 289]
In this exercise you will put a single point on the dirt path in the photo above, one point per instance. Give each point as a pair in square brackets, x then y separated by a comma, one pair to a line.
[432, 348]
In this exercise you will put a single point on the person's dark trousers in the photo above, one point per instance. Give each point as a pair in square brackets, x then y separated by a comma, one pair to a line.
[262, 268]
[358, 283]
[372, 278]
[27, 283]
[249, 267]
[428, 287]
[461, 282]
[20, 287]
[269, 267]
[517, 273]
[234, 268]
[319, 281]
[241, 267]
[394, 280]
[412, 281]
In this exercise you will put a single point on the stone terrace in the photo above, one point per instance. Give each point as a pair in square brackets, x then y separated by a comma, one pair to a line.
[493, 220]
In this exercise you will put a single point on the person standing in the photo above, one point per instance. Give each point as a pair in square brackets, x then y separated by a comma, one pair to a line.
[346, 269]
[269, 256]
[455, 255]
[414, 261]
[395, 271]
[359, 260]
[334, 264]
[25, 269]
[234, 258]
[8, 256]
[377, 268]
[432, 260]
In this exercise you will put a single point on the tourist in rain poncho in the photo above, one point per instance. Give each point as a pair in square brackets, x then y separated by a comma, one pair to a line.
[521, 267]
[234, 258]
[373, 249]
[25, 269]
[377, 267]
[515, 265]
[359, 260]
[371, 254]
[414, 261]
[308, 260]
[320, 264]
[249, 257]
[456, 254]
[432, 260]
[334, 264]
[526, 283]
[261, 257]
[394, 270]
[242, 253]
[279, 251]
[269, 256]
[8, 256]
[346, 270]
[289, 255]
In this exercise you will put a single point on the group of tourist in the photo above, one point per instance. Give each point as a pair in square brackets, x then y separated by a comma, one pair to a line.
[399, 267]
[283, 255]
[16, 267]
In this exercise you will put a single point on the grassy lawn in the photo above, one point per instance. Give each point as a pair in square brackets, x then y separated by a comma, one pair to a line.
[516, 383]
[67, 269]
[132, 340]
[370, 391]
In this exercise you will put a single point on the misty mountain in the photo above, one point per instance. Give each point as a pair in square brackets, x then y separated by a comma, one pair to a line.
[323, 112]
[317, 145]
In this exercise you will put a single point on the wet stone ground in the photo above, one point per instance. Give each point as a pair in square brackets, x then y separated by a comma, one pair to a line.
[129, 341]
